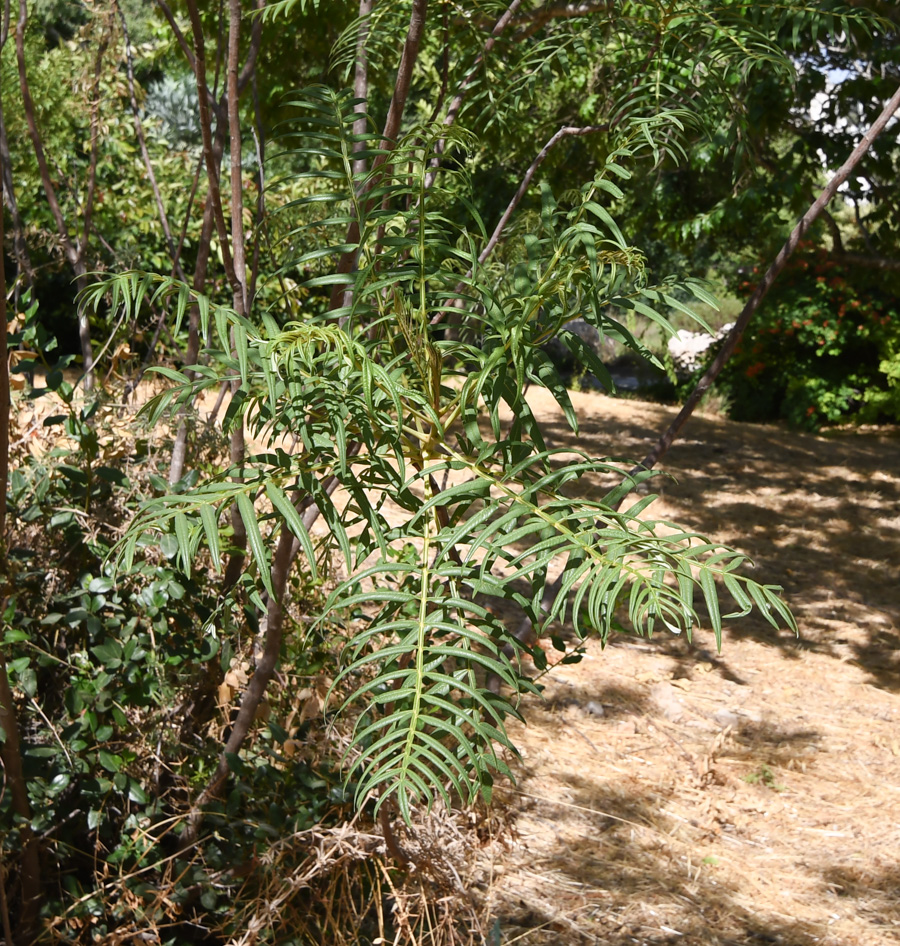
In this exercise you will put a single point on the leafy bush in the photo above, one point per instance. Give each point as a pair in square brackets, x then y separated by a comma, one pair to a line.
[176, 763]
[124, 682]
[824, 348]
[386, 400]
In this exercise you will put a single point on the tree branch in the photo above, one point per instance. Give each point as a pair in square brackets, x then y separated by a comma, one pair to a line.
[410, 54]
[179, 36]
[179, 447]
[37, 141]
[248, 70]
[235, 154]
[534, 20]
[237, 447]
[71, 253]
[835, 231]
[404, 74]
[20, 246]
[860, 225]
[456, 103]
[567, 131]
[866, 261]
[259, 140]
[212, 169]
[361, 83]
[174, 253]
[734, 336]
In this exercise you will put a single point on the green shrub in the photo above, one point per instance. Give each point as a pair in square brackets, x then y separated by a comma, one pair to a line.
[824, 348]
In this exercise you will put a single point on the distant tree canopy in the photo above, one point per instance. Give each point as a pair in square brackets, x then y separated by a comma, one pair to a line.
[759, 133]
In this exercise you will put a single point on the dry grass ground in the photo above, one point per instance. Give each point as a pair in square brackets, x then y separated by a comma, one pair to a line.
[670, 794]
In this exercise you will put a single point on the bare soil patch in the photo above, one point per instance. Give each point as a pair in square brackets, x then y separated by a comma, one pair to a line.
[670, 794]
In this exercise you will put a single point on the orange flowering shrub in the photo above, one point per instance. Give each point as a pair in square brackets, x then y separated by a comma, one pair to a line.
[822, 349]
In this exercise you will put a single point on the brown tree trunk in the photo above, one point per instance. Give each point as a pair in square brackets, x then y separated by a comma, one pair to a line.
[667, 438]
[71, 252]
[361, 83]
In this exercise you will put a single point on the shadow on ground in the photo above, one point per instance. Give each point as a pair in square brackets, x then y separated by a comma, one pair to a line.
[637, 887]
[818, 515]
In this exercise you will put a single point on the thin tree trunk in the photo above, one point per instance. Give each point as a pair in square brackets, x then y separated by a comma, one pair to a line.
[236, 153]
[233, 262]
[259, 140]
[213, 213]
[201, 269]
[95, 151]
[20, 246]
[667, 438]
[236, 561]
[361, 84]
[73, 256]
[340, 295]
[198, 61]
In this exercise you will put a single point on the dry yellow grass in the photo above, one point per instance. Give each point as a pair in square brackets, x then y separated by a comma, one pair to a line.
[750, 797]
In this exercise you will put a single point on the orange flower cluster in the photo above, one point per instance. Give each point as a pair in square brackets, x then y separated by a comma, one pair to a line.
[755, 369]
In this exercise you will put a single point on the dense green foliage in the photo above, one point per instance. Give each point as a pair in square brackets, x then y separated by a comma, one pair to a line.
[823, 350]
[368, 391]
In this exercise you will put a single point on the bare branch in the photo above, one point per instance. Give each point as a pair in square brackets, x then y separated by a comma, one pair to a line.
[37, 142]
[567, 131]
[404, 74]
[179, 36]
[179, 447]
[734, 336]
[212, 168]
[837, 241]
[456, 103]
[445, 66]
[861, 226]
[20, 246]
[238, 247]
[866, 261]
[174, 252]
[188, 214]
[239, 280]
[259, 141]
[530, 21]
[248, 70]
[95, 147]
